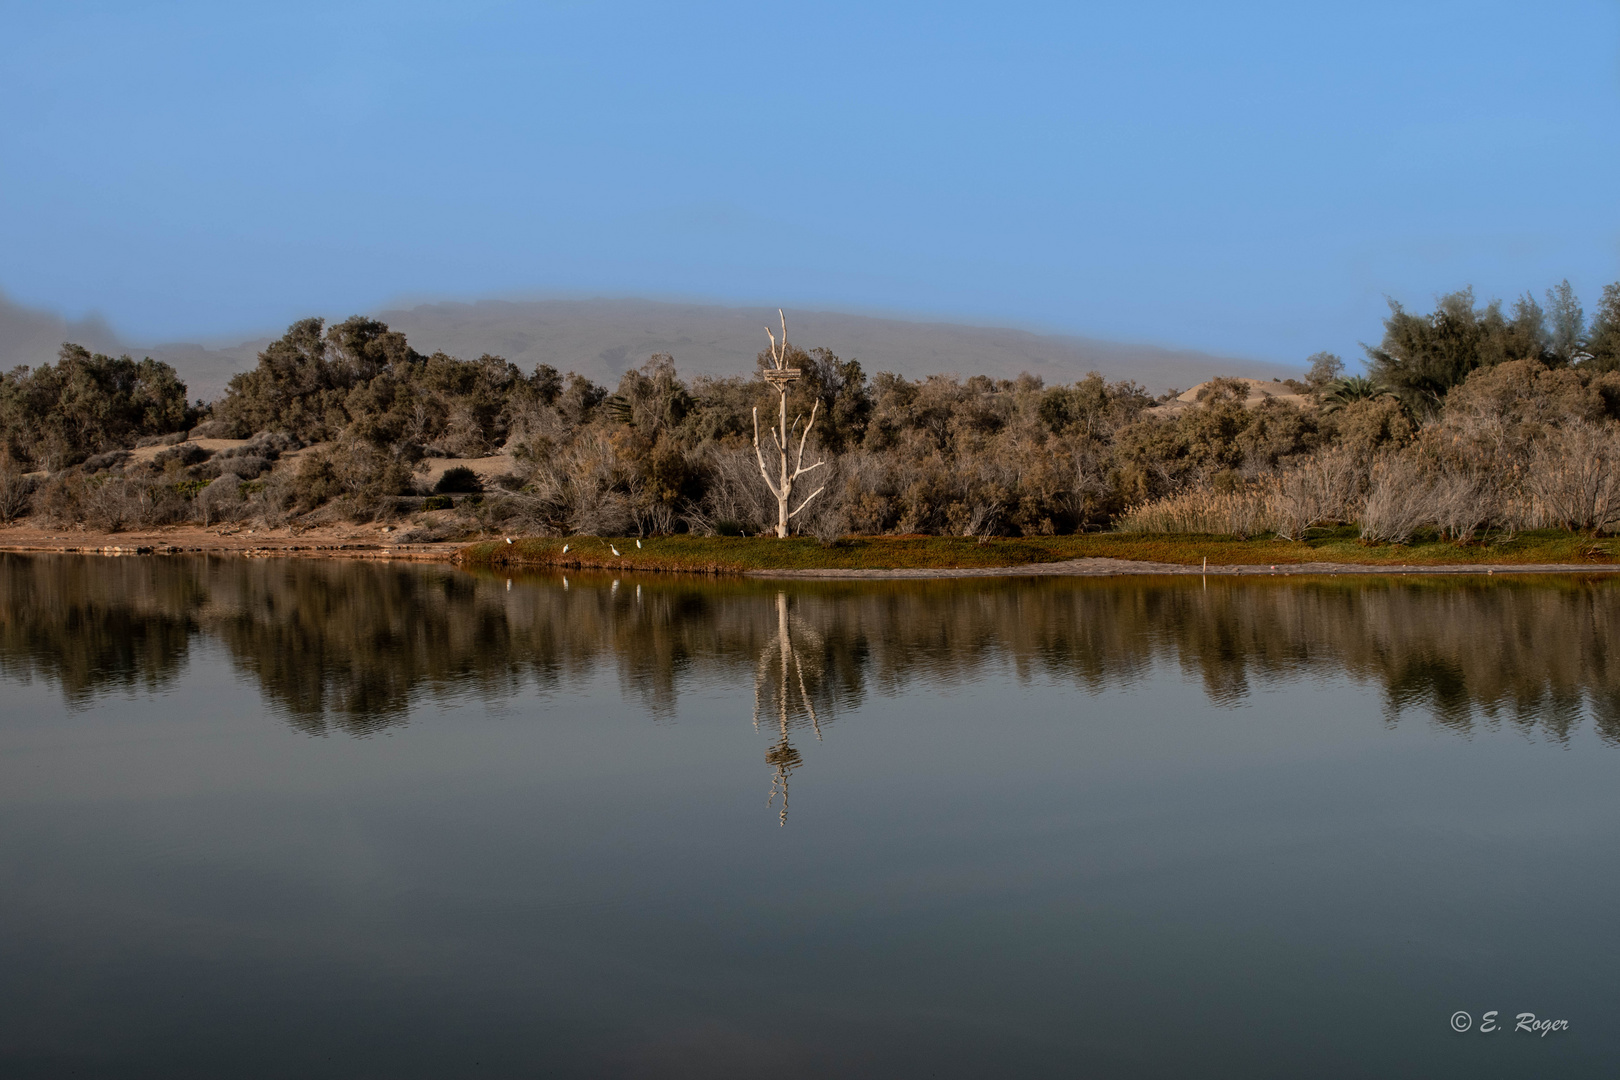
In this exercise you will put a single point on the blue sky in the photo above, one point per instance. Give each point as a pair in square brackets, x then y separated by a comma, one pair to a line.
[1248, 179]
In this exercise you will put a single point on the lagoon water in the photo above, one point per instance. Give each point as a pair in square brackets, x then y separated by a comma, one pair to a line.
[288, 818]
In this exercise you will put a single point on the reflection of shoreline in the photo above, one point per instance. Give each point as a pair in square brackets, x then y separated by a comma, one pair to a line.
[351, 646]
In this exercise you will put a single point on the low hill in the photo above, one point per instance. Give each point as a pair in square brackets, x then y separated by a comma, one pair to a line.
[602, 338]
[31, 336]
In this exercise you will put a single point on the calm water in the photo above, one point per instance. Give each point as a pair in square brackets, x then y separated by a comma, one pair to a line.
[300, 819]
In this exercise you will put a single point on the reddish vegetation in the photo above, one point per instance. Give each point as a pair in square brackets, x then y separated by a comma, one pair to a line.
[746, 554]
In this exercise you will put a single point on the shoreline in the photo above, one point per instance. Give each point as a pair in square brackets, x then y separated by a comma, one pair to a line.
[325, 542]
[1104, 567]
[1089, 555]
[377, 543]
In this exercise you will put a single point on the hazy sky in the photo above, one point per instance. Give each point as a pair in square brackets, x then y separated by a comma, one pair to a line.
[1246, 179]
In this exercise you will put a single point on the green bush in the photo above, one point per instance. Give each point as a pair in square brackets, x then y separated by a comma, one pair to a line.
[83, 405]
[459, 480]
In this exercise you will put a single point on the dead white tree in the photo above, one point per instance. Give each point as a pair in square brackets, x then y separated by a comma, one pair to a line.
[782, 378]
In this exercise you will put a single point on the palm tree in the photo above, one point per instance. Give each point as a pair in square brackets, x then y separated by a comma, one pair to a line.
[1351, 389]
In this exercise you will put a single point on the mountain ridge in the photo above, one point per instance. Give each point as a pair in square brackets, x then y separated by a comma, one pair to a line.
[602, 338]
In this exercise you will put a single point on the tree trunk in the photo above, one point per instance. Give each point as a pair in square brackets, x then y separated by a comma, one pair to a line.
[781, 377]
[783, 489]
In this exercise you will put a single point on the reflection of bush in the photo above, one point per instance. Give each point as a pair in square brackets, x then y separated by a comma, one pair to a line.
[92, 625]
[352, 645]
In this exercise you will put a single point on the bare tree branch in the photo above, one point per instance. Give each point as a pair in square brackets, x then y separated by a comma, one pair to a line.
[808, 497]
[798, 466]
[763, 471]
[781, 379]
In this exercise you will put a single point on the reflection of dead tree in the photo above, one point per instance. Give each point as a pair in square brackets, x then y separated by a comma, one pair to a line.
[784, 757]
[782, 378]
[778, 673]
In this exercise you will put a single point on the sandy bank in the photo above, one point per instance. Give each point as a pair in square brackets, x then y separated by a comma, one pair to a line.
[380, 542]
[339, 541]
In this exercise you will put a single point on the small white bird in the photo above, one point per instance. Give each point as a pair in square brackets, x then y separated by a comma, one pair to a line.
[638, 543]
[565, 549]
[508, 539]
[614, 550]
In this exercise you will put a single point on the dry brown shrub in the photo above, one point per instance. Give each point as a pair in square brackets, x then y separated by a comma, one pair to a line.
[1397, 503]
[1242, 513]
[16, 489]
[1574, 476]
[1410, 491]
[1366, 427]
[1323, 488]
[220, 500]
[734, 497]
[1317, 490]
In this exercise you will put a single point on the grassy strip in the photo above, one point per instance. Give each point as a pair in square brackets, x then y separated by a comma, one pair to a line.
[724, 554]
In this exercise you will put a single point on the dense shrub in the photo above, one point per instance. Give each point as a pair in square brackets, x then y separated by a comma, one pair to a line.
[61, 414]
[16, 490]
[220, 500]
[458, 480]
[1470, 419]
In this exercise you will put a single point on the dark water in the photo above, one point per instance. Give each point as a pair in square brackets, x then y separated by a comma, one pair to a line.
[301, 819]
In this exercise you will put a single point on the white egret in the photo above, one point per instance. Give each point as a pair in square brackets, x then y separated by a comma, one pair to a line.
[565, 549]
[614, 550]
[638, 543]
